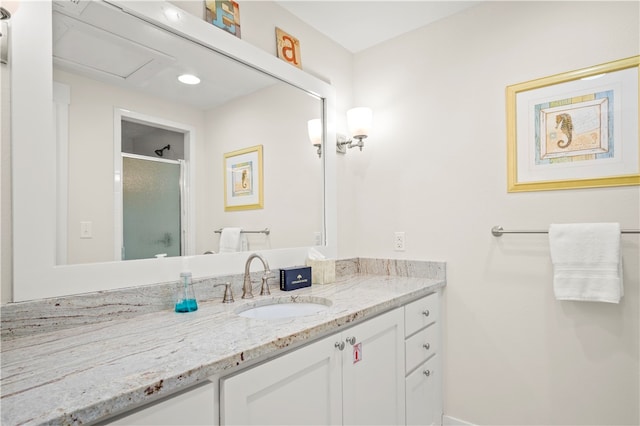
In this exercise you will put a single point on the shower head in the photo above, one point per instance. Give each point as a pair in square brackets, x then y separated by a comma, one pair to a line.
[160, 152]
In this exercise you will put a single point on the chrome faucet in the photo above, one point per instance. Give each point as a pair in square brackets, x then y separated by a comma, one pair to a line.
[247, 291]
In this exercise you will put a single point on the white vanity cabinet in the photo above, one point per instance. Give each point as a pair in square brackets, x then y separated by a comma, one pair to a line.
[423, 366]
[385, 370]
[352, 377]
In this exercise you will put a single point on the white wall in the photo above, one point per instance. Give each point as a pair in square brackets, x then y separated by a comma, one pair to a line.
[435, 167]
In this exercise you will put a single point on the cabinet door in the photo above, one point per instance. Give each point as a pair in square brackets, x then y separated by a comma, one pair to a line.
[424, 398]
[195, 406]
[301, 387]
[373, 372]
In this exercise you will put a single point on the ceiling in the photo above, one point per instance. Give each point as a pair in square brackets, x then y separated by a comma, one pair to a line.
[358, 25]
[101, 42]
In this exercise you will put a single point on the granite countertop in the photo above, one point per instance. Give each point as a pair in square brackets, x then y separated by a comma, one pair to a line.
[86, 373]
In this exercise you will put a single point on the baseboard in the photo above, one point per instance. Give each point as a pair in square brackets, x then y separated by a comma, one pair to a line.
[452, 421]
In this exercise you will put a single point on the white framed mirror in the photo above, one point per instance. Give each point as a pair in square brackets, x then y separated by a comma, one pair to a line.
[38, 269]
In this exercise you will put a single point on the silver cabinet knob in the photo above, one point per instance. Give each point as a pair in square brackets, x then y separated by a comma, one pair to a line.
[426, 373]
[339, 345]
[427, 346]
[426, 312]
[351, 340]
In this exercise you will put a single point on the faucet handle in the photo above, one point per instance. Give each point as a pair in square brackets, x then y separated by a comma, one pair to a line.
[264, 289]
[228, 294]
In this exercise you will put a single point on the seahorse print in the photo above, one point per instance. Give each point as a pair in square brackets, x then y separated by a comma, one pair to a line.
[566, 126]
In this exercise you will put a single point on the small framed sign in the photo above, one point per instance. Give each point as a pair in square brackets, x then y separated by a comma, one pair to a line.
[288, 48]
[357, 353]
[224, 14]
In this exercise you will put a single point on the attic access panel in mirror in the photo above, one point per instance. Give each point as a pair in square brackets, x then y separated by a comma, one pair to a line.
[112, 60]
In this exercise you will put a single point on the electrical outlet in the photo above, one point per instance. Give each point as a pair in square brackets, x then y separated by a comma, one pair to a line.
[398, 241]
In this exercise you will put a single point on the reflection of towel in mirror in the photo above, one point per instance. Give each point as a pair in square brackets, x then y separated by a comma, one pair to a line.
[230, 240]
[586, 261]
[244, 242]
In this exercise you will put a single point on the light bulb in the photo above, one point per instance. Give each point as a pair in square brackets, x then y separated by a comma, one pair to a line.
[189, 79]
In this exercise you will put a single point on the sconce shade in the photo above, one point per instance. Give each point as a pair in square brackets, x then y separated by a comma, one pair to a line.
[8, 8]
[315, 131]
[359, 122]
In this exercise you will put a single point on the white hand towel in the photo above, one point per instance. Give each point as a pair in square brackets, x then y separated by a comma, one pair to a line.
[230, 240]
[586, 261]
[244, 242]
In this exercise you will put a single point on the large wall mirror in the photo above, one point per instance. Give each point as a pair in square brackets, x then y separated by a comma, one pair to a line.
[123, 128]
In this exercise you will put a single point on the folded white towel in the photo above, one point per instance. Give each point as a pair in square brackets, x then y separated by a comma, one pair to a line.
[586, 261]
[230, 240]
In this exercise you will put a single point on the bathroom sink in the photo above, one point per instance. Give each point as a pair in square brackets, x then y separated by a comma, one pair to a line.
[285, 307]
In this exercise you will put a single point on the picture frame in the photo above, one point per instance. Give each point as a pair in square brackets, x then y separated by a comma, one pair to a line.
[243, 179]
[577, 129]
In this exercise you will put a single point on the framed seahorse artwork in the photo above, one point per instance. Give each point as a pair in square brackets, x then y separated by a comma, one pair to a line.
[575, 130]
[243, 179]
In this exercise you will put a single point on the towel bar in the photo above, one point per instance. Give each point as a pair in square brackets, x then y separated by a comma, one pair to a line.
[265, 231]
[497, 231]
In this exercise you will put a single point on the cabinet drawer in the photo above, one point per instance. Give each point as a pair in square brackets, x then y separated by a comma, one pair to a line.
[421, 313]
[424, 400]
[421, 346]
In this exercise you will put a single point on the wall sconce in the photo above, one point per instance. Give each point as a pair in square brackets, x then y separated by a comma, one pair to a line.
[315, 134]
[8, 8]
[359, 121]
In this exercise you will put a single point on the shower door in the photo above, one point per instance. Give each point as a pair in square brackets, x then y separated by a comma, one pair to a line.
[151, 205]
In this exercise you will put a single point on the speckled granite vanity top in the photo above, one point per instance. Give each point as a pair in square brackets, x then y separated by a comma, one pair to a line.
[87, 372]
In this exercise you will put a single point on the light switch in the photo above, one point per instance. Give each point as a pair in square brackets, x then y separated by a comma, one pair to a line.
[85, 230]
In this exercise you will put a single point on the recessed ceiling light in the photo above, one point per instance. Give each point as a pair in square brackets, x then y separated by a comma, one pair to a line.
[189, 79]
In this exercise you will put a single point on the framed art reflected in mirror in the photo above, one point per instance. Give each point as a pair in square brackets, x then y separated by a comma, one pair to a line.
[243, 179]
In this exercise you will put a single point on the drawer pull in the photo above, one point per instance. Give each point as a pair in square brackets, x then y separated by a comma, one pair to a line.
[425, 313]
[427, 346]
[351, 340]
[426, 373]
[339, 345]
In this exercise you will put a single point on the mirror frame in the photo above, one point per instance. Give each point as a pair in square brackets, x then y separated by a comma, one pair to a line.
[35, 273]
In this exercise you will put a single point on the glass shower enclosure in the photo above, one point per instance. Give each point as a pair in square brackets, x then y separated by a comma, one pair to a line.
[152, 205]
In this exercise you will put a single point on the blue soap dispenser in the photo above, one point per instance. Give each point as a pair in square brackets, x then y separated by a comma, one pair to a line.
[185, 297]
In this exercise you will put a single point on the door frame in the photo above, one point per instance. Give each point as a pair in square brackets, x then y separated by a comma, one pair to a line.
[61, 102]
[188, 225]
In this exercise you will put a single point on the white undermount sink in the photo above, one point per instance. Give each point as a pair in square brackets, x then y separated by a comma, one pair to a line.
[285, 307]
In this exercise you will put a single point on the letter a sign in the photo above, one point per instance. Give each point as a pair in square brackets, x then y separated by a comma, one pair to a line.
[288, 48]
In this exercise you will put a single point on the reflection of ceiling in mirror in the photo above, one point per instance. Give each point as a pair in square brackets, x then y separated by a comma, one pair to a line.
[118, 48]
